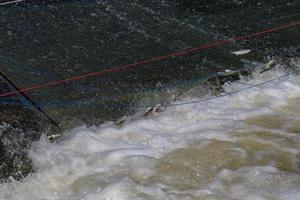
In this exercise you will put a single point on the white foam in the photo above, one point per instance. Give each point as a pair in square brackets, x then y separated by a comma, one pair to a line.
[110, 162]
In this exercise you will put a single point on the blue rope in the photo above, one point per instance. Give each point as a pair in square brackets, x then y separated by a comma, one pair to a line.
[165, 104]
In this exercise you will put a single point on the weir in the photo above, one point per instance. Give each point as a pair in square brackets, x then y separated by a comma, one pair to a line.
[84, 64]
[35, 105]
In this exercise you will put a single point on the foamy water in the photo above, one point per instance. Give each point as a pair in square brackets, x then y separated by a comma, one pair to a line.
[242, 146]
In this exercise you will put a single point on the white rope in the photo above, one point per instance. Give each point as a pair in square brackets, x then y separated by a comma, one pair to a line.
[10, 2]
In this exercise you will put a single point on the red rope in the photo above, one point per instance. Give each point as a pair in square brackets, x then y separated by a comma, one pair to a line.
[153, 59]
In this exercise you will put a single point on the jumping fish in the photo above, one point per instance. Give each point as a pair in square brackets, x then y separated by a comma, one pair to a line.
[241, 52]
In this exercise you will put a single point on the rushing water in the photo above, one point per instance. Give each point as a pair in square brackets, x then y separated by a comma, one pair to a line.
[241, 146]
[54, 40]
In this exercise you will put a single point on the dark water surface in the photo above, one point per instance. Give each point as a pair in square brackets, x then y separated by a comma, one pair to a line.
[42, 41]
[243, 146]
